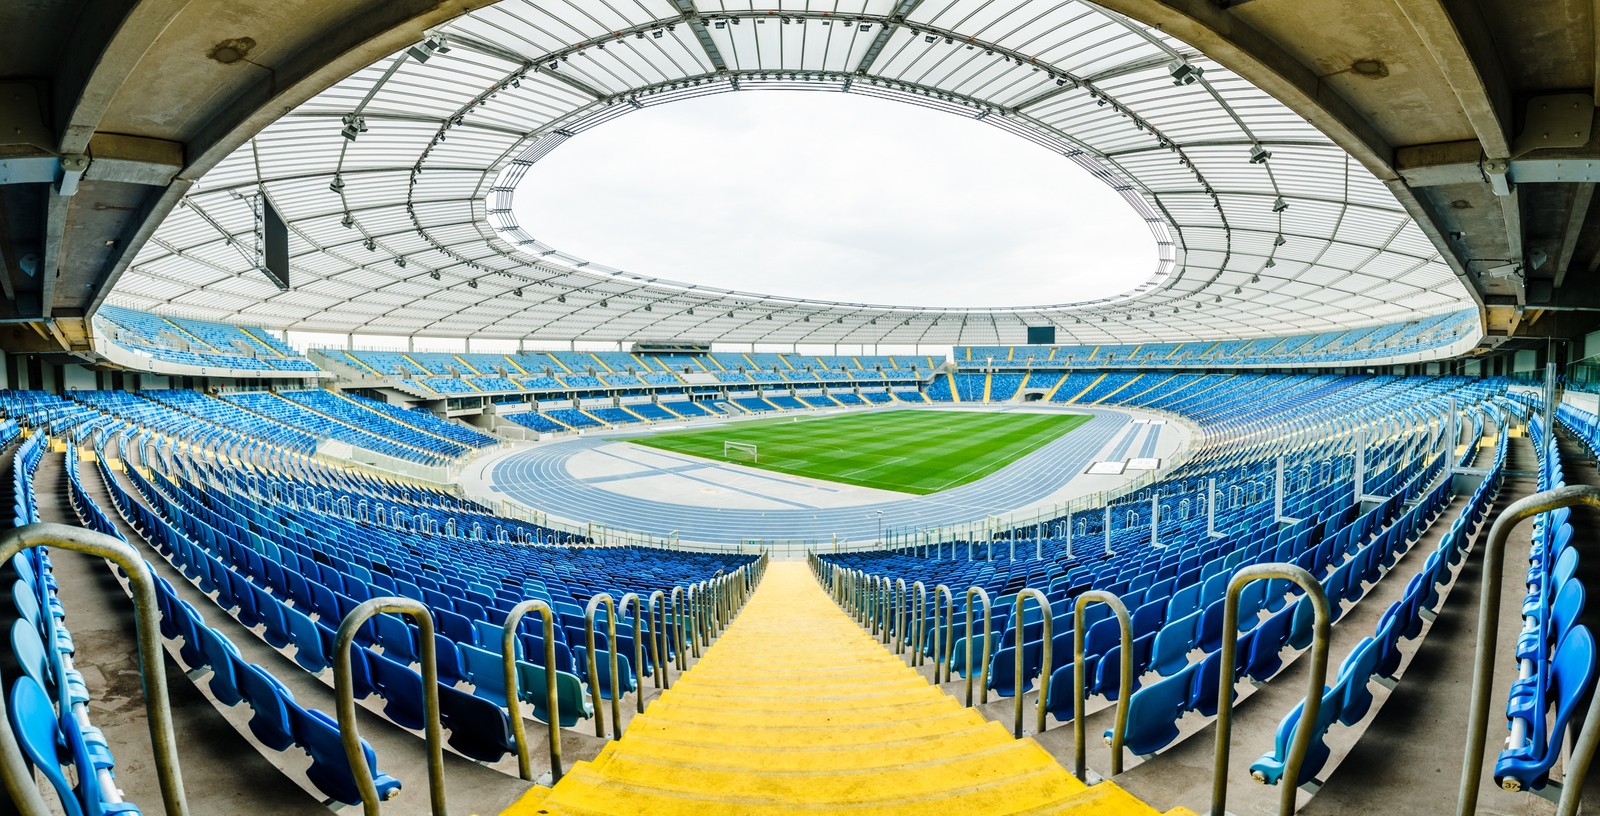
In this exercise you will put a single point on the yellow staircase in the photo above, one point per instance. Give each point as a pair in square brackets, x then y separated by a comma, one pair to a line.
[847, 729]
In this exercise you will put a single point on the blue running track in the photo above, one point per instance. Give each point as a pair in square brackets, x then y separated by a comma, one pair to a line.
[538, 478]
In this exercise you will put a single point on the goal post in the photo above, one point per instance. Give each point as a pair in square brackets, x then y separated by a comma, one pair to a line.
[731, 450]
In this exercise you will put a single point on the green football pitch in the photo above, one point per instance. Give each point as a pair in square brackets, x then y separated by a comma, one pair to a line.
[907, 451]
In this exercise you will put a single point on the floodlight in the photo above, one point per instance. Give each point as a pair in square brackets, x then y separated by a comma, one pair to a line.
[1270, 263]
[354, 125]
[1280, 205]
[929, 38]
[472, 283]
[348, 221]
[603, 304]
[1183, 73]
[1259, 154]
[400, 262]
[371, 245]
[1279, 241]
[561, 298]
[517, 292]
[423, 51]
[720, 24]
[337, 185]
[657, 33]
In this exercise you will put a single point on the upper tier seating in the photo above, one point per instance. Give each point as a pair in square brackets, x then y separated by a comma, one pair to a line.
[1370, 343]
[199, 342]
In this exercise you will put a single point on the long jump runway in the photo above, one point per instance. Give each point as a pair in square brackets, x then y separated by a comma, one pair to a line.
[653, 492]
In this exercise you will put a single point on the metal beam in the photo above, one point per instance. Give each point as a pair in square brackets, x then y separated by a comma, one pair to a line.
[571, 82]
[691, 17]
[885, 31]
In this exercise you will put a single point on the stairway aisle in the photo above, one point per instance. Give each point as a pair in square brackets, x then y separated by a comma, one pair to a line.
[795, 709]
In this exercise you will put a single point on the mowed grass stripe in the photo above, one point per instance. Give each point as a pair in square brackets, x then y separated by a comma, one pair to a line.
[916, 452]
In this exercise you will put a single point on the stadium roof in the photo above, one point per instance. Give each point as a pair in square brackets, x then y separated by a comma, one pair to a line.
[1265, 226]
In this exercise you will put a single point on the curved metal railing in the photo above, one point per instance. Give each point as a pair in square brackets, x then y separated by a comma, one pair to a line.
[17, 775]
[345, 699]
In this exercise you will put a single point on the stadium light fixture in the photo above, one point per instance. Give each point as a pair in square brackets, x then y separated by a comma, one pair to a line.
[337, 185]
[371, 245]
[354, 125]
[423, 51]
[517, 292]
[929, 38]
[1259, 154]
[348, 221]
[1255, 278]
[1184, 73]
[472, 283]
[1271, 262]
[401, 262]
[604, 304]
[561, 298]
[1280, 240]
[720, 24]
[657, 33]
[1280, 205]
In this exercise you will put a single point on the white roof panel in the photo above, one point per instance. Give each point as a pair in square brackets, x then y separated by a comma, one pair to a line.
[427, 184]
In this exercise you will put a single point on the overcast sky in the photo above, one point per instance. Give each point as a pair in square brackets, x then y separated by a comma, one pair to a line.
[835, 196]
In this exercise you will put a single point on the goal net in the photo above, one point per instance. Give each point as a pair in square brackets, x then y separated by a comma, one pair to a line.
[740, 450]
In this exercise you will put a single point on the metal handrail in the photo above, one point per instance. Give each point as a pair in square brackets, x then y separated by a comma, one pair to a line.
[1494, 555]
[1044, 665]
[638, 644]
[943, 634]
[656, 609]
[1080, 695]
[919, 622]
[678, 625]
[513, 699]
[900, 615]
[594, 666]
[988, 629]
[1305, 728]
[345, 699]
[19, 780]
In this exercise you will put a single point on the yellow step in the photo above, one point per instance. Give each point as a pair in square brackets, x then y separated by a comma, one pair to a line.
[782, 739]
[880, 753]
[584, 791]
[851, 730]
[787, 716]
[778, 782]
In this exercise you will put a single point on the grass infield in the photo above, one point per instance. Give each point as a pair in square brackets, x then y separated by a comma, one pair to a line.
[907, 451]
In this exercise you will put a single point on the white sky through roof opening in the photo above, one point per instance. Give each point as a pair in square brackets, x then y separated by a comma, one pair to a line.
[837, 197]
